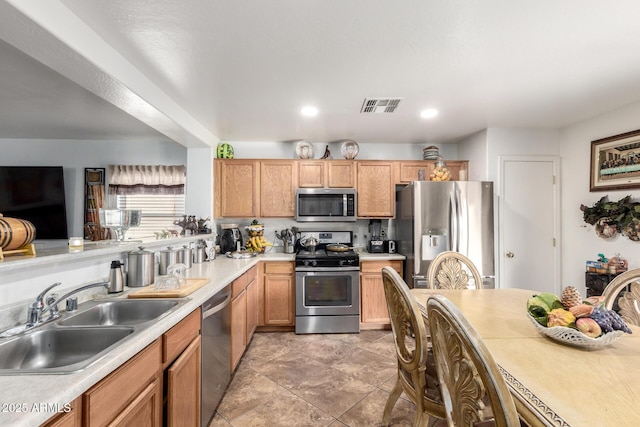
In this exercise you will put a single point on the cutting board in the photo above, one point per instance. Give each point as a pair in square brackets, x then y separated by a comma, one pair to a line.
[151, 291]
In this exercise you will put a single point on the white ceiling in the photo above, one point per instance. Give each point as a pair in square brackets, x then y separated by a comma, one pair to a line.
[199, 71]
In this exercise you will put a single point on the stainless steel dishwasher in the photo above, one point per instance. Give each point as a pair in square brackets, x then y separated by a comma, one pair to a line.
[216, 352]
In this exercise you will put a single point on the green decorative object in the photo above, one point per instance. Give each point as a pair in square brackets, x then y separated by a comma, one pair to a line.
[610, 218]
[225, 151]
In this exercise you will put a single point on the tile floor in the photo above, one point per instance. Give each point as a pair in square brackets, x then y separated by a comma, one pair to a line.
[333, 380]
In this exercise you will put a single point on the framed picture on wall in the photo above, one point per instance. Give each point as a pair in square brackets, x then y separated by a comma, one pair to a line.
[615, 162]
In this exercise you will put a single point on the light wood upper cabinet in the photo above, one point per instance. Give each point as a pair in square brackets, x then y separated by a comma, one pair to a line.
[326, 173]
[278, 183]
[265, 188]
[237, 185]
[311, 173]
[341, 174]
[376, 189]
[409, 170]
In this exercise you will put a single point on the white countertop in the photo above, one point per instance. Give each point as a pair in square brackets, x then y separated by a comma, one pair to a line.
[365, 256]
[30, 391]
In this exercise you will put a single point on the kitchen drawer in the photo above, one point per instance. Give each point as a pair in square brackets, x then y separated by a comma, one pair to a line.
[107, 399]
[176, 339]
[251, 274]
[376, 266]
[238, 286]
[278, 267]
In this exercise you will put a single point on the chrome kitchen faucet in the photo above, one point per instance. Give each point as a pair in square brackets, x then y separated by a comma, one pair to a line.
[37, 308]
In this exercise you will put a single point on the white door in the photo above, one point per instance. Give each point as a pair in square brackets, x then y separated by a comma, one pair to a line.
[529, 226]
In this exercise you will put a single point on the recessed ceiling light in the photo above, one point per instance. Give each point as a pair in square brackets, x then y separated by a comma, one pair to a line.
[309, 111]
[429, 113]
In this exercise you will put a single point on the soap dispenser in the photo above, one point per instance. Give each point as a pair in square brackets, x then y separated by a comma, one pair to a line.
[116, 278]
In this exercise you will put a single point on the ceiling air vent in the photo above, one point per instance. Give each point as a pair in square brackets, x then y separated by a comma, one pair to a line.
[380, 105]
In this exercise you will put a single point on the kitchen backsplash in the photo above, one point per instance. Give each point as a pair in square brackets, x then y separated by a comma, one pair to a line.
[360, 228]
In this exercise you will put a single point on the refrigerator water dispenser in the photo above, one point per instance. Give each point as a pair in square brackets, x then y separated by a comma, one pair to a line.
[432, 245]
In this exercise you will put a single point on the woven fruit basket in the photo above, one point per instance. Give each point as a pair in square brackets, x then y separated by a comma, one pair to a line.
[574, 337]
[573, 320]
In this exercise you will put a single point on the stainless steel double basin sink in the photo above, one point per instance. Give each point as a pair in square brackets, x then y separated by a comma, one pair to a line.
[80, 338]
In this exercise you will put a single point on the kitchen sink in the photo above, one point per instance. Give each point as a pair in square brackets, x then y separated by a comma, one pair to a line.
[121, 312]
[58, 350]
[78, 339]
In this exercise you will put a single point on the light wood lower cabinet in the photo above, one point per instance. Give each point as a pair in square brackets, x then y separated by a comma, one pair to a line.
[252, 308]
[181, 357]
[238, 327]
[131, 395]
[244, 314]
[71, 418]
[183, 387]
[373, 307]
[278, 294]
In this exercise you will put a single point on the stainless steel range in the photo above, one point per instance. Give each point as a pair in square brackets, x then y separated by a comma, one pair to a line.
[327, 284]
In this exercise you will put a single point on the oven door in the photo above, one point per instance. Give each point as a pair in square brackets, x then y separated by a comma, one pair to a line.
[330, 292]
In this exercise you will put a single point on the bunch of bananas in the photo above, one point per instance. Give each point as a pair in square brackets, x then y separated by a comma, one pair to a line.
[257, 244]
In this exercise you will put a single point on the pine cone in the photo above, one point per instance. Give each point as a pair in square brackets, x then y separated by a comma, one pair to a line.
[570, 297]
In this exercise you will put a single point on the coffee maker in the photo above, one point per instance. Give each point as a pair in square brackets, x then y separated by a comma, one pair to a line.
[230, 238]
[376, 243]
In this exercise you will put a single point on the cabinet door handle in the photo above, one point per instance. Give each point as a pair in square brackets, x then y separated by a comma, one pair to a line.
[510, 254]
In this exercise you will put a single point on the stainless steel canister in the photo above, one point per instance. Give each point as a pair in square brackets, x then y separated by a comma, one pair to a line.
[140, 268]
[199, 255]
[167, 257]
[185, 255]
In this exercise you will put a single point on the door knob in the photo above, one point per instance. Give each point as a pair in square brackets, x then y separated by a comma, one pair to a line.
[510, 254]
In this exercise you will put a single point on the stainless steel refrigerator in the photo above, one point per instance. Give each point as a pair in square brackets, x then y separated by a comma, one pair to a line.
[432, 217]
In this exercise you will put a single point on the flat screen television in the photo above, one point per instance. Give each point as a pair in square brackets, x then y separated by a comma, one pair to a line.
[35, 193]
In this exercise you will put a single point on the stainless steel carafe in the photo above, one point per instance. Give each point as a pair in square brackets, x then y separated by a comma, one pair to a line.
[140, 268]
[116, 278]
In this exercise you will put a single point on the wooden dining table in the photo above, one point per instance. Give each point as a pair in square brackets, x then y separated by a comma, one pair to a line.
[553, 384]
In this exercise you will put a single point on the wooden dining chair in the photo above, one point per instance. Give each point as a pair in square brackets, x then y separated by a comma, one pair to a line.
[450, 270]
[416, 368]
[473, 389]
[628, 301]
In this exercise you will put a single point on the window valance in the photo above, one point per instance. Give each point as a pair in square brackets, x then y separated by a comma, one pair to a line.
[146, 179]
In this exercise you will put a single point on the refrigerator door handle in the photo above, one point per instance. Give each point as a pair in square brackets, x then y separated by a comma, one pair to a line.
[453, 222]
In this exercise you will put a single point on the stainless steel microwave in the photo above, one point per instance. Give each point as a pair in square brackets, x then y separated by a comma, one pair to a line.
[326, 204]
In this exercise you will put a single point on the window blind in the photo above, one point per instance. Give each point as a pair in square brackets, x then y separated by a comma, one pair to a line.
[159, 211]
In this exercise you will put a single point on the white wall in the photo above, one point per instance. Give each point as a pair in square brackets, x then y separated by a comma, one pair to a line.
[580, 242]
[518, 142]
[475, 149]
[74, 156]
[199, 187]
[377, 151]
